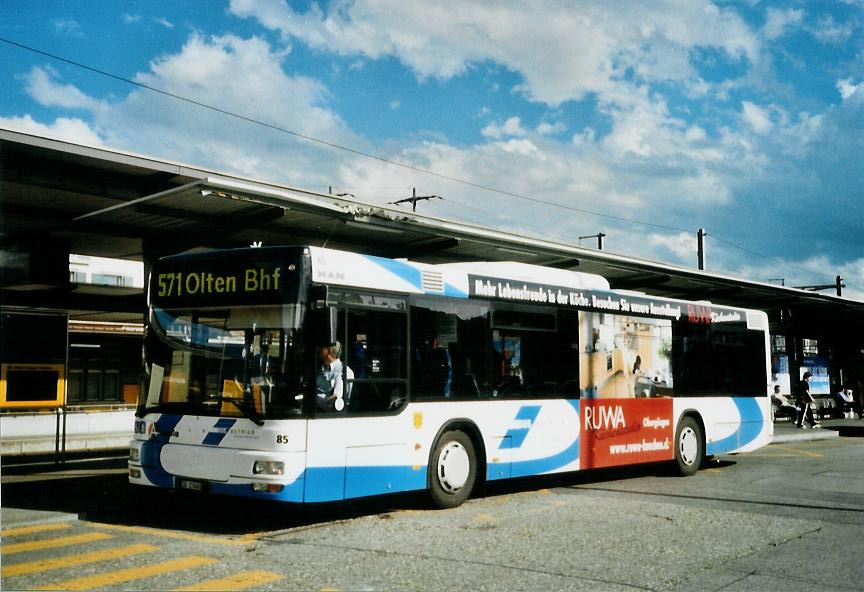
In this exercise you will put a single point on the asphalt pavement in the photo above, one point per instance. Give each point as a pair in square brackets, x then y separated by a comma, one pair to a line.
[787, 517]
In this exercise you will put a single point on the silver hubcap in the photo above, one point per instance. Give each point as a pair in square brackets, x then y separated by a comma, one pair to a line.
[453, 467]
[688, 445]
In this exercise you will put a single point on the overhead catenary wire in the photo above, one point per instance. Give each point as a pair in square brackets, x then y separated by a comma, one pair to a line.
[334, 145]
[385, 160]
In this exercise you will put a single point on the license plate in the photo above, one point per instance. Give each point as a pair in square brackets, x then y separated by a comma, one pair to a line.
[190, 485]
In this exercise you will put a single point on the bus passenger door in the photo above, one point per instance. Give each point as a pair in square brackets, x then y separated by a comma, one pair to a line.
[362, 449]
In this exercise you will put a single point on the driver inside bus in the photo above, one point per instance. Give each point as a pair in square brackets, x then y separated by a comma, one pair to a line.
[332, 393]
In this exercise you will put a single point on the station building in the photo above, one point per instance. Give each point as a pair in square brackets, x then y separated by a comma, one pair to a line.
[71, 327]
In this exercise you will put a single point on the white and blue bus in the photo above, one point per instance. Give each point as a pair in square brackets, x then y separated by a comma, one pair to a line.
[448, 375]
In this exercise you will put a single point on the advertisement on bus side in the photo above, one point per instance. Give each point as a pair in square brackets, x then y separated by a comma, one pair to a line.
[625, 431]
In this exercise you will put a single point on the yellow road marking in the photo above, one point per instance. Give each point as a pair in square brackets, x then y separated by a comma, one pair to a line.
[238, 581]
[22, 530]
[52, 543]
[120, 576]
[797, 451]
[170, 534]
[252, 536]
[20, 569]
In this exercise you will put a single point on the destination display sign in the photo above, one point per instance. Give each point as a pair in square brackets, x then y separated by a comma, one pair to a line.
[599, 301]
[233, 280]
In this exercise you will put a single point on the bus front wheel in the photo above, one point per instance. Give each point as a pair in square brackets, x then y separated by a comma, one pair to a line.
[689, 446]
[452, 469]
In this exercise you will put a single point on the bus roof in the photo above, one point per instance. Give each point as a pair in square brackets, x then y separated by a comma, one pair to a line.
[513, 282]
[330, 266]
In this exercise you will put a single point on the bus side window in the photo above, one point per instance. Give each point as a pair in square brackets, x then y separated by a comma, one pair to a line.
[719, 360]
[376, 354]
[448, 350]
[535, 353]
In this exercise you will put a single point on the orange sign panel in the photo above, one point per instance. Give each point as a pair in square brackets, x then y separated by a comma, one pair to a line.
[625, 431]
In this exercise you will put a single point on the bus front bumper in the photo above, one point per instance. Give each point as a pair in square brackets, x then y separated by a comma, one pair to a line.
[244, 473]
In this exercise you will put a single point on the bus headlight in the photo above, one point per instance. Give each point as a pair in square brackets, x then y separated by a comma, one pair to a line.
[134, 455]
[268, 467]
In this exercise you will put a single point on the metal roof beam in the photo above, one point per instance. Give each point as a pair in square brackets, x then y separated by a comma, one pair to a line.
[422, 248]
[640, 281]
[566, 263]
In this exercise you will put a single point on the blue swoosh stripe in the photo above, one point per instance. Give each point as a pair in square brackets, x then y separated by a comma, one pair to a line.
[516, 436]
[215, 438]
[453, 291]
[164, 427]
[749, 429]
[524, 468]
[151, 451]
[410, 274]
[414, 276]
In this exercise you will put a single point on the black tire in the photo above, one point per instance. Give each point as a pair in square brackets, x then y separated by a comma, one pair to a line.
[689, 446]
[452, 469]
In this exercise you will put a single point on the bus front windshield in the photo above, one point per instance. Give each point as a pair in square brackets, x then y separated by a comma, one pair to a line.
[235, 362]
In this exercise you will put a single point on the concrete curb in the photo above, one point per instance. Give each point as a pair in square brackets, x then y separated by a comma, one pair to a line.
[804, 435]
[831, 428]
[19, 518]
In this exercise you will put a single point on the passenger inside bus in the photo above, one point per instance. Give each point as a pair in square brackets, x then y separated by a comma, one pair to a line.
[331, 390]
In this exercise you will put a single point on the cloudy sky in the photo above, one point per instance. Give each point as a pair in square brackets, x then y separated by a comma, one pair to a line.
[645, 121]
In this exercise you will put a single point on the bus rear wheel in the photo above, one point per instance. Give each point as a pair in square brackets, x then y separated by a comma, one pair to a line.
[452, 469]
[689, 446]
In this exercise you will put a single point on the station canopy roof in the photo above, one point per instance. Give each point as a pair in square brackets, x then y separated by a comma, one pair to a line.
[114, 204]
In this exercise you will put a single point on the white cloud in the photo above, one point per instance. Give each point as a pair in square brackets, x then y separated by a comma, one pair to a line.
[847, 88]
[243, 76]
[511, 127]
[642, 125]
[68, 27]
[395, 104]
[63, 128]
[778, 22]
[827, 30]
[756, 117]
[523, 147]
[594, 43]
[164, 22]
[681, 245]
[128, 19]
[42, 85]
[547, 129]
[585, 137]
[695, 133]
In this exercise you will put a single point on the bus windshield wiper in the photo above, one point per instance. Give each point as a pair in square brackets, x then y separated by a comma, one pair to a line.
[244, 406]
